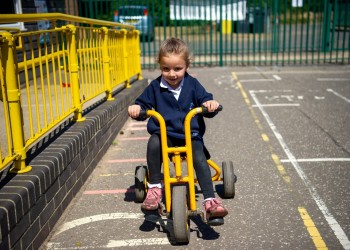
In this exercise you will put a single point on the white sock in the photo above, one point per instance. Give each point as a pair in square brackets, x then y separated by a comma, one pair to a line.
[158, 185]
[207, 199]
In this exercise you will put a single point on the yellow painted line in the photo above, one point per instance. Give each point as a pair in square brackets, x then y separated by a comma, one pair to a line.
[309, 224]
[265, 137]
[277, 161]
[312, 229]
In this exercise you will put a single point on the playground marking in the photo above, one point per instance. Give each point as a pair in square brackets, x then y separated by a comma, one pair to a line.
[258, 80]
[138, 242]
[332, 222]
[99, 217]
[108, 175]
[339, 95]
[258, 71]
[111, 243]
[278, 105]
[274, 156]
[127, 160]
[115, 244]
[133, 138]
[277, 77]
[333, 79]
[112, 191]
[318, 160]
[137, 124]
[136, 128]
[312, 229]
[265, 138]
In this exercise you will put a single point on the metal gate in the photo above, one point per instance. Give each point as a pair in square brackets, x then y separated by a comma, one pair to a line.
[241, 32]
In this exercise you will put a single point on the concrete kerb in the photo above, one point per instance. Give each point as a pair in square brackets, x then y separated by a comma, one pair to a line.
[32, 203]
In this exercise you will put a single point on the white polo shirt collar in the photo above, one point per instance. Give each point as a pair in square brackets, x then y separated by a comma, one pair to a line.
[176, 91]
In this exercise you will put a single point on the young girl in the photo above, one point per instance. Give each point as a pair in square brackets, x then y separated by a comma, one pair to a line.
[173, 95]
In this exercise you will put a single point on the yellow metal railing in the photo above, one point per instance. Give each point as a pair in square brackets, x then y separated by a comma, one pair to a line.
[49, 76]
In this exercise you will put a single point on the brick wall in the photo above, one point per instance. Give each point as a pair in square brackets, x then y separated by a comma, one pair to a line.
[32, 203]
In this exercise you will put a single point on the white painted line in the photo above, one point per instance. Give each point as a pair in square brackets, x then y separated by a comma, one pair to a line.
[282, 72]
[277, 105]
[114, 244]
[270, 91]
[332, 222]
[258, 80]
[318, 160]
[138, 242]
[319, 97]
[277, 77]
[99, 217]
[333, 79]
[339, 95]
[258, 69]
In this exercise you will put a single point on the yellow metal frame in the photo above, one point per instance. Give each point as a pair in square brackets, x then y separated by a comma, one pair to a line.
[177, 159]
[50, 76]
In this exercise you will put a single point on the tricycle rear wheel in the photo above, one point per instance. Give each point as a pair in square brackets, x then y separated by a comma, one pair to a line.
[141, 180]
[229, 179]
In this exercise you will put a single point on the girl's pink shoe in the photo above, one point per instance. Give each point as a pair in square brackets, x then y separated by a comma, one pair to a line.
[214, 209]
[153, 199]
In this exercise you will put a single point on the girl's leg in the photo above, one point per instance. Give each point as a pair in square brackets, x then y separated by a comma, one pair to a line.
[154, 159]
[213, 207]
[202, 169]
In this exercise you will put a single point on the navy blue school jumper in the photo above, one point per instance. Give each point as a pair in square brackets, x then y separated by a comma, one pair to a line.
[162, 100]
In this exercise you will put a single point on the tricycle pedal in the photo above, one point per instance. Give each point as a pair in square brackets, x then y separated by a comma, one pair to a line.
[215, 221]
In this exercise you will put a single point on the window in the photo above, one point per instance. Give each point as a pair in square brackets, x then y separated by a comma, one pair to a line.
[12, 7]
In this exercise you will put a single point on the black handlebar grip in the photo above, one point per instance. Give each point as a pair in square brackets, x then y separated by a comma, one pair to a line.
[143, 114]
[205, 110]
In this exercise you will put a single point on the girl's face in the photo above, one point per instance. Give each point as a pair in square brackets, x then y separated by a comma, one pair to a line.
[173, 69]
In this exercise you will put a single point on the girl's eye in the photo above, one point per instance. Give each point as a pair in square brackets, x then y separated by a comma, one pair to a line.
[165, 69]
[178, 69]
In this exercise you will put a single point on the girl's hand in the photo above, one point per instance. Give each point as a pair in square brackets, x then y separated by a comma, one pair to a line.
[134, 111]
[211, 105]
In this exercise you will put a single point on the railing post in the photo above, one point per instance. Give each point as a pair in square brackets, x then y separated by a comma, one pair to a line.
[125, 55]
[13, 97]
[137, 46]
[275, 45]
[221, 38]
[326, 26]
[106, 64]
[73, 72]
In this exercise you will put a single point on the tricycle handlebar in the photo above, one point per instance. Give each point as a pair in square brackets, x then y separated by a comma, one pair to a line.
[143, 113]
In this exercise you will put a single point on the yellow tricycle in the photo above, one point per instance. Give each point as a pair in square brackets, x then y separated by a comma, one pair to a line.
[179, 188]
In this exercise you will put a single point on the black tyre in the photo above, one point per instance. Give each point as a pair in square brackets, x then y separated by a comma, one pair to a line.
[141, 179]
[229, 179]
[181, 220]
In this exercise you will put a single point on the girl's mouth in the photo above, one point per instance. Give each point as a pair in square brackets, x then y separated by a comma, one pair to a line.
[172, 81]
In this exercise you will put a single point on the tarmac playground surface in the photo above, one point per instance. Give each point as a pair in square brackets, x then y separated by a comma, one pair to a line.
[286, 130]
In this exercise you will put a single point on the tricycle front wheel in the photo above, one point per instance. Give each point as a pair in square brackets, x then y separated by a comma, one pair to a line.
[181, 220]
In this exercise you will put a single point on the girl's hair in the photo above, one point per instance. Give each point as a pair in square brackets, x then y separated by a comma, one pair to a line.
[174, 46]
